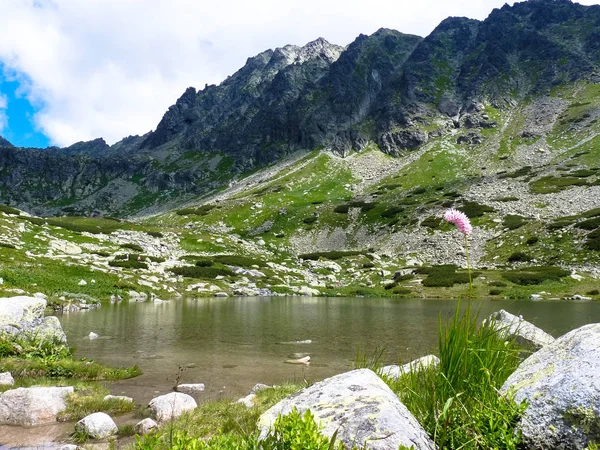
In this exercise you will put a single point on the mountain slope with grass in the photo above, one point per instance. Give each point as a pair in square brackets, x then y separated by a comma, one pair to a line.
[323, 170]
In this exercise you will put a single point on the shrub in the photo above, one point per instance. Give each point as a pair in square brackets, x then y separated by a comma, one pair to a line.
[9, 210]
[341, 209]
[526, 170]
[497, 284]
[401, 291]
[34, 220]
[593, 292]
[235, 260]
[368, 265]
[535, 275]
[532, 240]
[204, 262]
[310, 220]
[101, 253]
[364, 206]
[589, 224]
[474, 209]
[335, 254]
[514, 221]
[495, 291]
[134, 247]
[202, 272]
[6, 245]
[156, 234]
[432, 222]
[83, 224]
[128, 264]
[506, 199]
[519, 257]
[391, 212]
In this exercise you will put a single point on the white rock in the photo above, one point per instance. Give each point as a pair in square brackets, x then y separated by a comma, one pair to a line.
[93, 335]
[247, 401]
[118, 397]
[145, 426]
[6, 379]
[33, 406]
[190, 388]
[259, 387]
[221, 294]
[82, 283]
[97, 426]
[395, 371]
[525, 333]
[170, 406]
[360, 407]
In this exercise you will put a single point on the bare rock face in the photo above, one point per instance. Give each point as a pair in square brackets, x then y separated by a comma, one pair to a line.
[561, 385]
[97, 426]
[33, 406]
[360, 407]
[526, 334]
[169, 406]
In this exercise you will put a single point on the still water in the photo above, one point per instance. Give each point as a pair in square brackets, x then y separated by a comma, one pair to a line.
[230, 344]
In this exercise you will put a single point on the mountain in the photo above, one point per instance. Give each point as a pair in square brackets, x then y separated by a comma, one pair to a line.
[395, 90]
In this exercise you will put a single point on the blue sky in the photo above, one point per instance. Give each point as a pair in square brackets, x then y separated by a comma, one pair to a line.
[111, 68]
[19, 127]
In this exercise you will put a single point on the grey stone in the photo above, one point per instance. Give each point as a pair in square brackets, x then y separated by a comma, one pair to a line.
[24, 317]
[118, 397]
[33, 406]
[395, 371]
[190, 388]
[145, 426]
[560, 382]
[247, 401]
[360, 407]
[170, 406]
[259, 387]
[98, 425]
[6, 379]
[525, 333]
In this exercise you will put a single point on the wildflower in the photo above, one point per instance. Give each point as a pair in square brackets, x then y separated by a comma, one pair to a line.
[459, 219]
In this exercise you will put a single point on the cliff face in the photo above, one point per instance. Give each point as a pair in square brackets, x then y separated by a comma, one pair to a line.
[396, 90]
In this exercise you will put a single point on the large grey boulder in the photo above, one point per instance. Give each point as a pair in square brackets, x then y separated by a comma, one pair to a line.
[360, 407]
[561, 383]
[395, 371]
[24, 317]
[33, 406]
[170, 406]
[97, 426]
[526, 334]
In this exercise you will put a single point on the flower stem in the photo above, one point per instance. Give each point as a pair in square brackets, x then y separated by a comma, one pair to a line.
[469, 268]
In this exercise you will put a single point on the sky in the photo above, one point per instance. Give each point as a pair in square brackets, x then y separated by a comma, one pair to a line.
[73, 70]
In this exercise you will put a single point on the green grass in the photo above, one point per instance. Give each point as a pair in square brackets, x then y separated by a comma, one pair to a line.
[86, 401]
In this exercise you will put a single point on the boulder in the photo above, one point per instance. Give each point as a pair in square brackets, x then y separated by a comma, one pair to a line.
[360, 407]
[24, 317]
[525, 333]
[193, 388]
[145, 426]
[170, 406]
[97, 426]
[259, 387]
[395, 371]
[118, 397]
[6, 379]
[247, 401]
[561, 386]
[33, 406]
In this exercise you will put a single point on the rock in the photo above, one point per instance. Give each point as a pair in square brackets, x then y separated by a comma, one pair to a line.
[395, 371]
[471, 138]
[221, 294]
[169, 406]
[560, 384]
[304, 360]
[118, 397]
[145, 426]
[525, 333]
[33, 406]
[65, 247]
[259, 387]
[308, 292]
[394, 142]
[360, 407]
[580, 297]
[82, 283]
[6, 379]
[535, 297]
[93, 335]
[247, 401]
[97, 426]
[116, 298]
[24, 317]
[191, 389]
[69, 447]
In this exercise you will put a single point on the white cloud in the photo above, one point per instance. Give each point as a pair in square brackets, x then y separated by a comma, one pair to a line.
[3, 116]
[111, 68]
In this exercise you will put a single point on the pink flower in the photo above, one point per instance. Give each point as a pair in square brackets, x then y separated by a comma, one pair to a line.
[459, 219]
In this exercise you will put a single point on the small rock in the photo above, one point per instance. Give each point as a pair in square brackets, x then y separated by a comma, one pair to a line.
[259, 387]
[145, 426]
[221, 294]
[93, 335]
[97, 426]
[169, 406]
[118, 397]
[82, 283]
[247, 401]
[193, 388]
[305, 360]
[6, 379]
[394, 371]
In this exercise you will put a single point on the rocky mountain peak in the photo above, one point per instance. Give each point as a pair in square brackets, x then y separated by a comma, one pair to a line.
[5, 143]
[319, 48]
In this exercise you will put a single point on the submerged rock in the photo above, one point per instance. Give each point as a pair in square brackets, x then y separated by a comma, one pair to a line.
[395, 371]
[360, 407]
[560, 382]
[169, 406]
[97, 426]
[33, 406]
[526, 334]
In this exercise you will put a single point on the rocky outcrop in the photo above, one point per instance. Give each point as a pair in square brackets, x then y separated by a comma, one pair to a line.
[24, 317]
[524, 333]
[560, 385]
[360, 407]
[395, 142]
[33, 406]
[168, 407]
[395, 371]
[97, 426]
